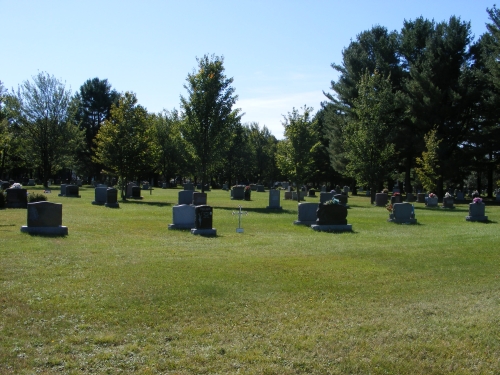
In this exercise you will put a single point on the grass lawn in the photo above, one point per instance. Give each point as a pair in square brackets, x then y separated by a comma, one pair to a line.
[122, 294]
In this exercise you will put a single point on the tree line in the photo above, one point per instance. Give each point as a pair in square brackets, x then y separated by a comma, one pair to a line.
[419, 106]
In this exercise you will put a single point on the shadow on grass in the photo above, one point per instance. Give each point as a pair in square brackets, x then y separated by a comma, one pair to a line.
[259, 210]
[137, 201]
[484, 222]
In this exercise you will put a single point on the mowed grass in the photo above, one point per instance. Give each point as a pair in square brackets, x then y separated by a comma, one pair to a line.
[122, 294]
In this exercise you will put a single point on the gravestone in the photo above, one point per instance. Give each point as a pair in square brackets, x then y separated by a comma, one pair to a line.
[183, 216]
[285, 185]
[476, 212]
[199, 199]
[203, 224]
[331, 218]
[72, 191]
[31, 182]
[381, 199]
[420, 198]
[497, 197]
[16, 198]
[128, 190]
[112, 198]
[342, 199]
[164, 185]
[185, 196]
[287, 195]
[260, 189]
[188, 186]
[311, 193]
[323, 189]
[101, 195]
[302, 195]
[224, 187]
[145, 186]
[253, 187]
[396, 199]
[63, 190]
[324, 197]
[402, 213]
[448, 202]
[45, 218]
[274, 200]
[238, 192]
[346, 190]
[79, 183]
[432, 202]
[5, 185]
[307, 214]
[460, 196]
[410, 197]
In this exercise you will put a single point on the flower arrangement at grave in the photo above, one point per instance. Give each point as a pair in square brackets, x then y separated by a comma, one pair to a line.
[16, 185]
[477, 200]
[385, 191]
[432, 195]
[448, 195]
[331, 202]
[396, 194]
[389, 207]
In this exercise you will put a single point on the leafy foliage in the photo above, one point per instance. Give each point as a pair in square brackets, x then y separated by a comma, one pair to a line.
[428, 163]
[125, 144]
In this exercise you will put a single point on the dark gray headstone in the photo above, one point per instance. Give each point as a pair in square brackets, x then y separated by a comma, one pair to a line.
[185, 197]
[199, 199]
[63, 190]
[112, 198]
[72, 191]
[204, 217]
[238, 192]
[323, 197]
[381, 199]
[16, 198]
[45, 218]
[188, 186]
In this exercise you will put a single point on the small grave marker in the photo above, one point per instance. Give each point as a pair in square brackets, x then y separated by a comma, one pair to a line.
[239, 213]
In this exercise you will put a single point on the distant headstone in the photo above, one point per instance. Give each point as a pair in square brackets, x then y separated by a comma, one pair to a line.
[45, 218]
[448, 202]
[274, 200]
[396, 199]
[288, 195]
[331, 218]
[183, 217]
[72, 191]
[224, 187]
[285, 185]
[306, 214]
[79, 182]
[238, 192]
[460, 196]
[185, 197]
[302, 195]
[497, 197]
[199, 199]
[128, 190]
[203, 224]
[63, 190]
[342, 198]
[112, 198]
[311, 193]
[145, 186]
[346, 189]
[164, 185]
[324, 197]
[323, 189]
[421, 198]
[4, 185]
[432, 202]
[476, 212]
[101, 195]
[410, 197]
[31, 182]
[260, 189]
[381, 199]
[188, 186]
[253, 187]
[402, 213]
[16, 198]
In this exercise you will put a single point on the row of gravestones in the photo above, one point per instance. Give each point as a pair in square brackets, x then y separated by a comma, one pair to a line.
[46, 217]
[381, 199]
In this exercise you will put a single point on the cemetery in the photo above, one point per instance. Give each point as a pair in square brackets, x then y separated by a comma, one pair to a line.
[125, 265]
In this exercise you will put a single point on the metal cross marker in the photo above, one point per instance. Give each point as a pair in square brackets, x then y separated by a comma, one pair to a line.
[239, 229]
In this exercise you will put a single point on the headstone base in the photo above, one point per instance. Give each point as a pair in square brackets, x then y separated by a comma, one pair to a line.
[399, 221]
[274, 208]
[476, 218]
[112, 205]
[180, 226]
[304, 222]
[98, 203]
[204, 232]
[332, 228]
[136, 198]
[59, 231]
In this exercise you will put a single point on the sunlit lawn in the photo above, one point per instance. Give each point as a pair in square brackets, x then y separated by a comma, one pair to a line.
[122, 294]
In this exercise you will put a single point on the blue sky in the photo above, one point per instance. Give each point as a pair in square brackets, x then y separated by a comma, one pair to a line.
[278, 52]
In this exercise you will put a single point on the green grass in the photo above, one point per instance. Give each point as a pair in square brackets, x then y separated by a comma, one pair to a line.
[122, 294]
